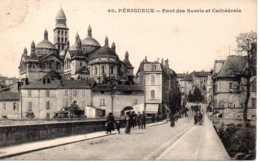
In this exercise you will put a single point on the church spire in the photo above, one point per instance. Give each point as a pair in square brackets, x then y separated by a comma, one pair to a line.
[126, 56]
[89, 31]
[106, 41]
[77, 36]
[45, 34]
[113, 46]
[32, 48]
[25, 51]
[61, 31]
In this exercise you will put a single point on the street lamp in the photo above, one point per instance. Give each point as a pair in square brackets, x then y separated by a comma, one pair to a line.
[113, 86]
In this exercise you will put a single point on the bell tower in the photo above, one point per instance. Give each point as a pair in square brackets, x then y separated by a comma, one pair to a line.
[61, 31]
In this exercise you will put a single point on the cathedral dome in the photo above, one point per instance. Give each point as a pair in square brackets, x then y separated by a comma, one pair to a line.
[103, 51]
[90, 41]
[45, 44]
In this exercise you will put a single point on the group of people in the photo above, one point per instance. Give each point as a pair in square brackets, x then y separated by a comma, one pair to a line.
[131, 121]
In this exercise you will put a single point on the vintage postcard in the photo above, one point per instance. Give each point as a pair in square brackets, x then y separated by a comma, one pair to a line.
[128, 80]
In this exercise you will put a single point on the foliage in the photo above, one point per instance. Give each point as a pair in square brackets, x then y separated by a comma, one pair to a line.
[196, 96]
[247, 44]
[239, 141]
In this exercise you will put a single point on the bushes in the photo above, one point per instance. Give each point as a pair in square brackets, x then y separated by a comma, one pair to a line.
[239, 141]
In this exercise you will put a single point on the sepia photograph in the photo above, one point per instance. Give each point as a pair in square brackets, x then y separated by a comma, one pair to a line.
[128, 80]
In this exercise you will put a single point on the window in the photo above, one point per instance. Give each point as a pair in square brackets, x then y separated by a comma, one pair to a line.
[112, 70]
[103, 69]
[102, 102]
[83, 93]
[48, 115]
[66, 103]
[152, 94]
[96, 70]
[48, 105]
[83, 104]
[253, 100]
[47, 93]
[66, 92]
[135, 101]
[14, 106]
[75, 93]
[230, 86]
[4, 106]
[153, 67]
[29, 93]
[80, 64]
[152, 79]
[230, 105]
[30, 106]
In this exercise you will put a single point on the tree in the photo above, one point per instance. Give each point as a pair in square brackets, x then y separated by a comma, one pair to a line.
[197, 96]
[190, 97]
[246, 44]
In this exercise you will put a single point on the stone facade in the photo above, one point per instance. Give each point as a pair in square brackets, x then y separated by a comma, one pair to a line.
[46, 99]
[10, 105]
[229, 88]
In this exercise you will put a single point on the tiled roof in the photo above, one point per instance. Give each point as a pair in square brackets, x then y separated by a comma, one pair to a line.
[105, 87]
[83, 70]
[182, 75]
[234, 65]
[59, 84]
[200, 73]
[9, 96]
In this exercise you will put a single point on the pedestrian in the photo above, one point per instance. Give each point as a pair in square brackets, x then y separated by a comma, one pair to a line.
[128, 123]
[186, 111]
[139, 118]
[118, 126]
[110, 122]
[133, 119]
[143, 121]
[172, 119]
[153, 118]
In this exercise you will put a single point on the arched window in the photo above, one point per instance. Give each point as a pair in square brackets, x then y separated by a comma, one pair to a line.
[95, 70]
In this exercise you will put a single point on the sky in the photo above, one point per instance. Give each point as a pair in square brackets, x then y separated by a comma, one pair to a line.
[191, 41]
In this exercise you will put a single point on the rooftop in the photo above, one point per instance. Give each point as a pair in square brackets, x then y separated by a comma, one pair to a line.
[9, 96]
[59, 84]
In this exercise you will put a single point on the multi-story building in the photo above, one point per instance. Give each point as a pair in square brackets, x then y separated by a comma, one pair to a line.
[44, 98]
[185, 83]
[160, 86]
[9, 105]
[229, 88]
[199, 79]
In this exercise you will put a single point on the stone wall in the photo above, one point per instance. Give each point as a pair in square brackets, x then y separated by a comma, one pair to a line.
[12, 135]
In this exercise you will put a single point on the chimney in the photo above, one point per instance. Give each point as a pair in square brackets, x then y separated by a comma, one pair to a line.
[162, 61]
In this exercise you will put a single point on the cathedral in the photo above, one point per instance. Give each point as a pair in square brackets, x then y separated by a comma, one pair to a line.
[86, 59]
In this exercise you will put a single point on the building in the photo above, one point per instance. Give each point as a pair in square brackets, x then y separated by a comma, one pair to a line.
[44, 98]
[84, 60]
[160, 86]
[185, 82]
[199, 79]
[229, 88]
[7, 81]
[56, 74]
[9, 105]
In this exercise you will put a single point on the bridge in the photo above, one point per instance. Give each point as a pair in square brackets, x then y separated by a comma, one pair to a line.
[158, 141]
